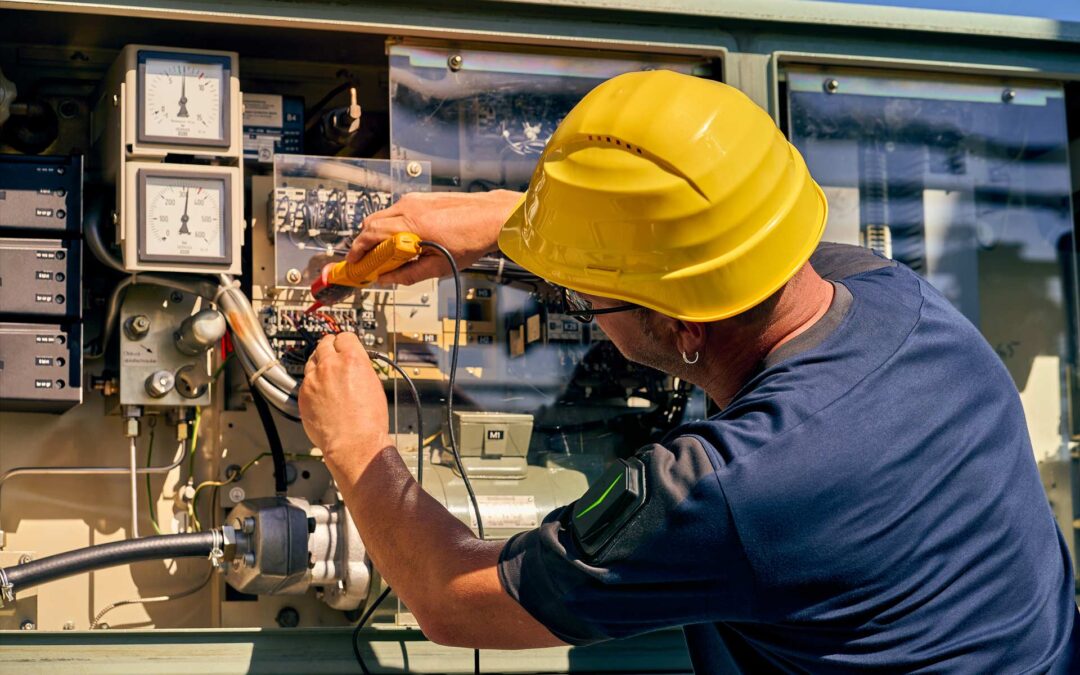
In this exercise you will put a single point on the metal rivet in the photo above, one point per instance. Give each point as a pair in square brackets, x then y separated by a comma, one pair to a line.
[832, 85]
[293, 276]
[1008, 95]
[454, 62]
[414, 169]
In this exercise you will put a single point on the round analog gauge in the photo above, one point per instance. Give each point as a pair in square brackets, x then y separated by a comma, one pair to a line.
[184, 100]
[184, 218]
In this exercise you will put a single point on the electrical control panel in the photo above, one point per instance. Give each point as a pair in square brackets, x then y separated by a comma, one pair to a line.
[40, 367]
[39, 278]
[42, 195]
[170, 190]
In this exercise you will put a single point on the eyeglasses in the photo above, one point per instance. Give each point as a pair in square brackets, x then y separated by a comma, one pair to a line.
[581, 309]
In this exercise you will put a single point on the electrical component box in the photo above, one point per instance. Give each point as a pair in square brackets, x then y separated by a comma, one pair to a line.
[41, 195]
[39, 278]
[40, 367]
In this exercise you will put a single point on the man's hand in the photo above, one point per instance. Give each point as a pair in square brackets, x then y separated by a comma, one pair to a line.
[466, 223]
[342, 402]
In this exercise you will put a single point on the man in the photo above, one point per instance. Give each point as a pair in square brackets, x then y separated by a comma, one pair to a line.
[867, 497]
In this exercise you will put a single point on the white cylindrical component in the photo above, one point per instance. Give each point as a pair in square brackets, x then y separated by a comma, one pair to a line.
[200, 332]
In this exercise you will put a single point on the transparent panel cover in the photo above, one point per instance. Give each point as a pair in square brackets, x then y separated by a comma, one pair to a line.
[319, 204]
[967, 182]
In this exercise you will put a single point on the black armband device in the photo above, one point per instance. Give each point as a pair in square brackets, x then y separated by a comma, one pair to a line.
[608, 504]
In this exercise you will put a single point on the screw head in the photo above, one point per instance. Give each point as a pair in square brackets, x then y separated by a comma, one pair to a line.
[455, 62]
[831, 85]
[176, 296]
[237, 495]
[293, 276]
[25, 558]
[414, 169]
[27, 625]
[1008, 96]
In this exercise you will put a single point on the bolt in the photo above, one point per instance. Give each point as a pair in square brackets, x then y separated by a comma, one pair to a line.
[288, 618]
[832, 85]
[248, 526]
[454, 62]
[1008, 95]
[25, 558]
[69, 625]
[249, 559]
[138, 326]
[27, 625]
[414, 169]
[293, 276]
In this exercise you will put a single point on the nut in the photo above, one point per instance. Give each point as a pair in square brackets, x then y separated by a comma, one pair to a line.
[414, 169]
[455, 62]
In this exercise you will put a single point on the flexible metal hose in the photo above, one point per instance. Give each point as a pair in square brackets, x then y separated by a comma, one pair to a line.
[37, 572]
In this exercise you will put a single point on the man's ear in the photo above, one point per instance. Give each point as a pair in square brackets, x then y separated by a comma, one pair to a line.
[690, 336]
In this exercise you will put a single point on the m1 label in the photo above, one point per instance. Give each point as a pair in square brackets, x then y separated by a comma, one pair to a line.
[496, 434]
[516, 512]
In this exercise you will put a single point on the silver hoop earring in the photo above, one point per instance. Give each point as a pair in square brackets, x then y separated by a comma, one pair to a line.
[697, 355]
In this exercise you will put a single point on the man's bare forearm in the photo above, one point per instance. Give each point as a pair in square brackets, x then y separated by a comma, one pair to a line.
[445, 575]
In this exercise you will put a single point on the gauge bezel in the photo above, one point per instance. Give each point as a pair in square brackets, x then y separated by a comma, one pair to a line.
[225, 93]
[143, 176]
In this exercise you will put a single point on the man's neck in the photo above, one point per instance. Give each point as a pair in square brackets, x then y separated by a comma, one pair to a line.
[738, 349]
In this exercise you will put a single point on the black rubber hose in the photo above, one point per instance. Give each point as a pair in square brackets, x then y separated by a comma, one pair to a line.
[37, 572]
[277, 450]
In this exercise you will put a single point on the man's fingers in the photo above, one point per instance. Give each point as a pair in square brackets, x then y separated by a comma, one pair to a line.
[375, 232]
[324, 349]
[346, 342]
[426, 267]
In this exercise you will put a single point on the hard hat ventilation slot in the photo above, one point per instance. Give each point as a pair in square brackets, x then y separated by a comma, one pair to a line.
[617, 141]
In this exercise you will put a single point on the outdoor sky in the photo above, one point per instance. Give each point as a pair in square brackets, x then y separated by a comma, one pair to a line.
[1062, 10]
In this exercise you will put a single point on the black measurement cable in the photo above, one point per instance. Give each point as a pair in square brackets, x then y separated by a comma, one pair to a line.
[450, 402]
[453, 376]
[420, 481]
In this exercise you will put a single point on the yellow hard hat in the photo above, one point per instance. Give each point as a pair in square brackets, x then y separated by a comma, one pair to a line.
[671, 192]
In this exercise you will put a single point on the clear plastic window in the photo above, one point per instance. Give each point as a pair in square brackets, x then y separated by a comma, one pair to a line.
[966, 181]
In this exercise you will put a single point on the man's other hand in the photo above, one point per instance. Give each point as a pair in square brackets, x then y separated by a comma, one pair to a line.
[342, 402]
[466, 223]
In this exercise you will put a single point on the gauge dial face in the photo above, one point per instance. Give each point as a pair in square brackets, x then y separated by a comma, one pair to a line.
[184, 100]
[185, 218]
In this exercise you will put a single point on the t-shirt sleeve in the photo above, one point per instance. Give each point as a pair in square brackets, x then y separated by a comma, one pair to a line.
[678, 560]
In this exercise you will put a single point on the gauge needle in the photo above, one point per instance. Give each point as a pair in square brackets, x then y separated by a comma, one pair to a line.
[183, 96]
[184, 218]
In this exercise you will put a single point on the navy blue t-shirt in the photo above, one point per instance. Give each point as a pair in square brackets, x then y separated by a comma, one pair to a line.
[868, 501]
